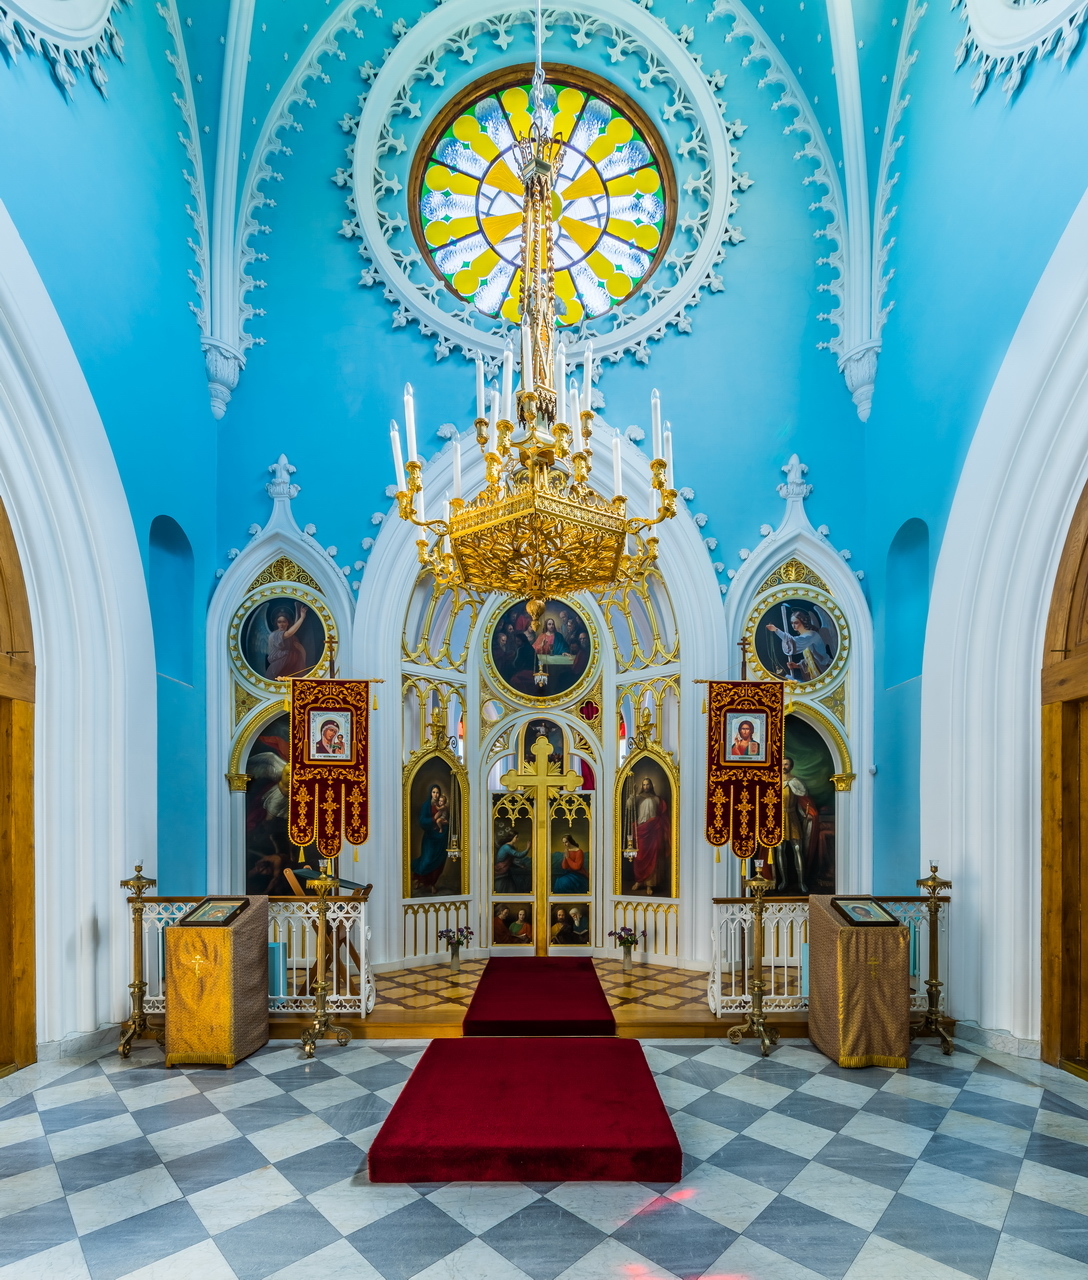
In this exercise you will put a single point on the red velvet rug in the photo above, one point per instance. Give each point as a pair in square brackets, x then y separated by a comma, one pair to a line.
[512, 1110]
[539, 996]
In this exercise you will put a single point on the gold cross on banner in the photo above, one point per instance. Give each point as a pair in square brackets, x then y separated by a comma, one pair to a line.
[538, 779]
[872, 962]
[196, 962]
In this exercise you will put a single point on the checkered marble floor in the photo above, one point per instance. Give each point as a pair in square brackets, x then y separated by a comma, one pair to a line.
[794, 1170]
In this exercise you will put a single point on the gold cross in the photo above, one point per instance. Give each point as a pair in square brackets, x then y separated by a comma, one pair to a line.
[872, 962]
[539, 779]
[196, 962]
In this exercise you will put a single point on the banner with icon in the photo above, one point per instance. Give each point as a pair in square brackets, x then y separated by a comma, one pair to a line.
[330, 759]
[744, 764]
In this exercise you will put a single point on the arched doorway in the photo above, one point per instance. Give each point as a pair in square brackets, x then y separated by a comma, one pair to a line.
[17, 1021]
[1065, 807]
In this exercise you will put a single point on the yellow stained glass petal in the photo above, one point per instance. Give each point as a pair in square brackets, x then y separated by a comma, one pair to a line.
[461, 227]
[563, 126]
[570, 100]
[583, 235]
[485, 146]
[647, 236]
[600, 148]
[437, 232]
[500, 226]
[575, 311]
[466, 128]
[438, 178]
[587, 184]
[515, 100]
[618, 285]
[600, 266]
[621, 228]
[623, 186]
[521, 122]
[511, 310]
[464, 184]
[466, 283]
[620, 131]
[502, 176]
[485, 263]
[647, 181]
[564, 285]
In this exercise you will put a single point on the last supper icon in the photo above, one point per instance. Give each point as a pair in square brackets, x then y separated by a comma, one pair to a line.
[543, 660]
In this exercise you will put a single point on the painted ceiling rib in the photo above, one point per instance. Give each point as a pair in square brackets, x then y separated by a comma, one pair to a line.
[222, 352]
[858, 359]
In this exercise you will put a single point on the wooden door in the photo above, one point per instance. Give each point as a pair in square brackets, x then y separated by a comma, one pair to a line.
[1065, 808]
[17, 1022]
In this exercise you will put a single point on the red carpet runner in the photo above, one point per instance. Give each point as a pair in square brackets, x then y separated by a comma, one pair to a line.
[528, 1111]
[539, 996]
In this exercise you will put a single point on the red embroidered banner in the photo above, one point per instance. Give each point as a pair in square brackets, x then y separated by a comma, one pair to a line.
[330, 761]
[744, 765]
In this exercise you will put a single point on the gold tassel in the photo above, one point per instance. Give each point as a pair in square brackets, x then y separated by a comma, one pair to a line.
[375, 702]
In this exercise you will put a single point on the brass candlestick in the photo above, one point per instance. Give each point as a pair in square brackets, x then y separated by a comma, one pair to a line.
[754, 1023]
[932, 1022]
[321, 1025]
[137, 1023]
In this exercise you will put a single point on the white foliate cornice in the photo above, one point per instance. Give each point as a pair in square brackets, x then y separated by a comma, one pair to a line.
[270, 144]
[693, 128]
[190, 140]
[804, 123]
[884, 211]
[1002, 39]
[73, 36]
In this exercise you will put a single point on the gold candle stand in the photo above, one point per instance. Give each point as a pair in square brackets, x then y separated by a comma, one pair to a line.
[137, 1023]
[932, 1021]
[754, 1023]
[321, 1026]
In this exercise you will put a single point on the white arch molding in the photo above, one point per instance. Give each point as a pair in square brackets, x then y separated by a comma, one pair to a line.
[95, 779]
[383, 598]
[980, 817]
[795, 536]
[280, 536]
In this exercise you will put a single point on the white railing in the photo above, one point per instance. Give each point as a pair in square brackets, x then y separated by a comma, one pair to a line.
[423, 920]
[292, 953]
[785, 953]
[660, 920]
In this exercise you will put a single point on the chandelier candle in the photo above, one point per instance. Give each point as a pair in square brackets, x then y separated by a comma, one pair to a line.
[398, 460]
[526, 356]
[577, 444]
[617, 468]
[655, 415]
[457, 465]
[561, 380]
[507, 383]
[410, 422]
[480, 387]
[493, 423]
[587, 379]
[668, 452]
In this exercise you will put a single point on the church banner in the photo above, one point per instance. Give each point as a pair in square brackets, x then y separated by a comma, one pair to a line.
[744, 765]
[330, 764]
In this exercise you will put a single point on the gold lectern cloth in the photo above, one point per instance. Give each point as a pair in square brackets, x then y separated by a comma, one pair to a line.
[217, 989]
[859, 989]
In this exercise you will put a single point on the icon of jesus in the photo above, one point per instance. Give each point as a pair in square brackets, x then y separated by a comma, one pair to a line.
[744, 741]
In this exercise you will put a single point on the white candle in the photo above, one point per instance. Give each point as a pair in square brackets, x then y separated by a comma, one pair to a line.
[457, 461]
[493, 422]
[420, 513]
[526, 357]
[587, 379]
[398, 460]
[446, 517]
[410, 422]
[508, 381]
[617, 468]
[577, 443]
[561, 378]
[668, 456]
[655, 416]
[479, 386]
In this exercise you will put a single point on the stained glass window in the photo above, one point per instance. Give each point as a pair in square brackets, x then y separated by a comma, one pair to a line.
[610, 203]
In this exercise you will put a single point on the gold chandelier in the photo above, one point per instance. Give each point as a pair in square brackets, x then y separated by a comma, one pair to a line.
[537, 529]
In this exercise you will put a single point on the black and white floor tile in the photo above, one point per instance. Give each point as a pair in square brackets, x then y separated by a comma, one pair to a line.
[969, 1166]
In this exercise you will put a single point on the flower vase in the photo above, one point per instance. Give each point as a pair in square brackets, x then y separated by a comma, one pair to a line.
[455, 957]
[628, 960]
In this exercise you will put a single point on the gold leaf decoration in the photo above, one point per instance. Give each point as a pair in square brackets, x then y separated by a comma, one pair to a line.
[283, 570]
[835, 702]
[794, 571]
[244, 702]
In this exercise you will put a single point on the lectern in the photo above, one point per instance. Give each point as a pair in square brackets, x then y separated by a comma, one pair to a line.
[217, 982]
[859, 983]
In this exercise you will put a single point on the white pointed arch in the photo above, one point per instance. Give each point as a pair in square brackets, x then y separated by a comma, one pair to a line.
[795, 538]
[94, 801]
[386, 588]
[230, 734]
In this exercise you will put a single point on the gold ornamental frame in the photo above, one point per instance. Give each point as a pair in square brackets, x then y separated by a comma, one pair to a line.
[279, 591]
[792, 591]
[648, 749]
[415, 763]
[499, 687]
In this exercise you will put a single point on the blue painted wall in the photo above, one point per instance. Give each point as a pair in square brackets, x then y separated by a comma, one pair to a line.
[96, 190]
